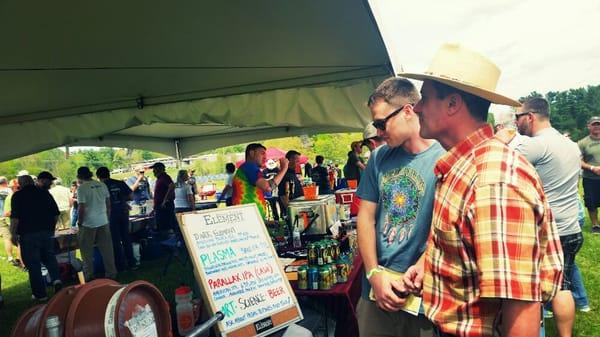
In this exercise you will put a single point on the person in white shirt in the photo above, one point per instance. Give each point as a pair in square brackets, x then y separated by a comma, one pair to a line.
[184, 194]
[93, 202]
[62, 196]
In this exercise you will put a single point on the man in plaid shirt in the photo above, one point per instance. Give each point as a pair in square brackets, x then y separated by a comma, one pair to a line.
[494, 252]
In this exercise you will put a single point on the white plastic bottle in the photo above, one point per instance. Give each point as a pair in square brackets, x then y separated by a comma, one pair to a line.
[297, 243]
[184, 310]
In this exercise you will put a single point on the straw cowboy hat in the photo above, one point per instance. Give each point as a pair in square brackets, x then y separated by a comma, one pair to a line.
[464, 69]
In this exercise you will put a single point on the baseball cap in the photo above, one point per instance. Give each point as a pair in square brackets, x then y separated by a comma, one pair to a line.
[594, 119]
[370, 131]
[84, 173]
[46, 175]
[157, 165]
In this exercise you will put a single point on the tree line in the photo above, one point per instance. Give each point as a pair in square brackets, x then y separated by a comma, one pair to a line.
[570, 111]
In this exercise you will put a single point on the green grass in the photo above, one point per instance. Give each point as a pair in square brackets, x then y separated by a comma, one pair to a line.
[16, 292]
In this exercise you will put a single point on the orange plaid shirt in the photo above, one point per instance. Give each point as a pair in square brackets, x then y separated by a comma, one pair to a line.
[493, 237]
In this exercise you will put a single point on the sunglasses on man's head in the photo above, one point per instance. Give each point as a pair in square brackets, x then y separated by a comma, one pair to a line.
[380, 124]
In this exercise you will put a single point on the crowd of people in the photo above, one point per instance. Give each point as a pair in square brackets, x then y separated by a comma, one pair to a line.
[482, 224]
[484, 227]
[36, 206]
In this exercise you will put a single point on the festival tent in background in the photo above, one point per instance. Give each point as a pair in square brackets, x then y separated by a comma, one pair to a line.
[183, 78]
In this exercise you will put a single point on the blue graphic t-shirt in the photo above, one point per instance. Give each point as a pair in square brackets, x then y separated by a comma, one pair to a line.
[403, 186]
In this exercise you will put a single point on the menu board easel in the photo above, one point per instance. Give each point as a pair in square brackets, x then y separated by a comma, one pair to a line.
[239, 272]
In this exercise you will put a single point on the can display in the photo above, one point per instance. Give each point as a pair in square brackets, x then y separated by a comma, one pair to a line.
[303, 277]
[313, 278]
[324, 278]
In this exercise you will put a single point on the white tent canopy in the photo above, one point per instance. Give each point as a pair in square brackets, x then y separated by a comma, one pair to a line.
[180, 78]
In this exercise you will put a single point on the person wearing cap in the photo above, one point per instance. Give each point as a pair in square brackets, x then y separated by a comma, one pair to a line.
[32, 222]
[355, 163]
[249, 185]
[120, 195]
[164, 199]
[140, 186]
[590, 163]
[93, 202]
[557, 162]
[371, 139]
[494, 253]
[62, 196]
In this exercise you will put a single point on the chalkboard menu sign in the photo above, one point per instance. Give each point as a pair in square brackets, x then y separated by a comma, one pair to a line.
[238, 270]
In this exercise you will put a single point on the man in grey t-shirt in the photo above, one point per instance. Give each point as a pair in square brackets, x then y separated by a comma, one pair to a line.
[557, 161]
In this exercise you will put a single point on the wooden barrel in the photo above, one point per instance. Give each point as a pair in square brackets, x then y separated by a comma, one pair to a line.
[101, 308]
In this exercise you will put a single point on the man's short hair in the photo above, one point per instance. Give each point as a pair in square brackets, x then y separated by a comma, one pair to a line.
[230, 167]
[394, 91]
[538, 105]
[291, 153]
[25, 180]
[3, 180]
[319, 159]
[103, 172]
[253, 146]
[478, 107]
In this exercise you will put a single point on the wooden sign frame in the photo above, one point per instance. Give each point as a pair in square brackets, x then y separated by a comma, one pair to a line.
[264, 323]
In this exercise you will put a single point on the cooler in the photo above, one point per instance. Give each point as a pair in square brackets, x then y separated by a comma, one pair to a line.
[306, 211]
[348, 196]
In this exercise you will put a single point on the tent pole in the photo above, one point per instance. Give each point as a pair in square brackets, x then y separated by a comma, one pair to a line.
[178, 154]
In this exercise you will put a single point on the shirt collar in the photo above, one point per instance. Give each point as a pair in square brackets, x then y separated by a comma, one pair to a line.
[445, 163]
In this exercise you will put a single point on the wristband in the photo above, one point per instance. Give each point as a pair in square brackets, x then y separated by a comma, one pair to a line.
[374, 271]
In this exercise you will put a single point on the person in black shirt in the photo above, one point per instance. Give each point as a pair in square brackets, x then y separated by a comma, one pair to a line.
[120, 194]
[32, 222]
[290, 186]
[320, 176]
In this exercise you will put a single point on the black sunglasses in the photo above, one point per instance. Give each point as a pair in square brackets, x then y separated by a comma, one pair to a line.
[517, 116]
[380, 124]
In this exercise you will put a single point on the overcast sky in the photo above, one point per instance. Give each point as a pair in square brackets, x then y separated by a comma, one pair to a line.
[541, 45]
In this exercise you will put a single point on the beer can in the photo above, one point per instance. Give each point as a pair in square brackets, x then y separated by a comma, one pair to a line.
[328, 255]
[303, 277]
[313, 278]
[333, 270]
[342, 271]
[324, 278]
[321, 254]
[336, 250]
[312, 254]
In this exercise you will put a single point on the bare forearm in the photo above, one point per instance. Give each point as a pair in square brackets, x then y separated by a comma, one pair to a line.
[366, 237]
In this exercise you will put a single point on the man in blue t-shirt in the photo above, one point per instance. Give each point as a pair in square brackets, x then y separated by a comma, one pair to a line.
[140, 186]
[394, 219]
